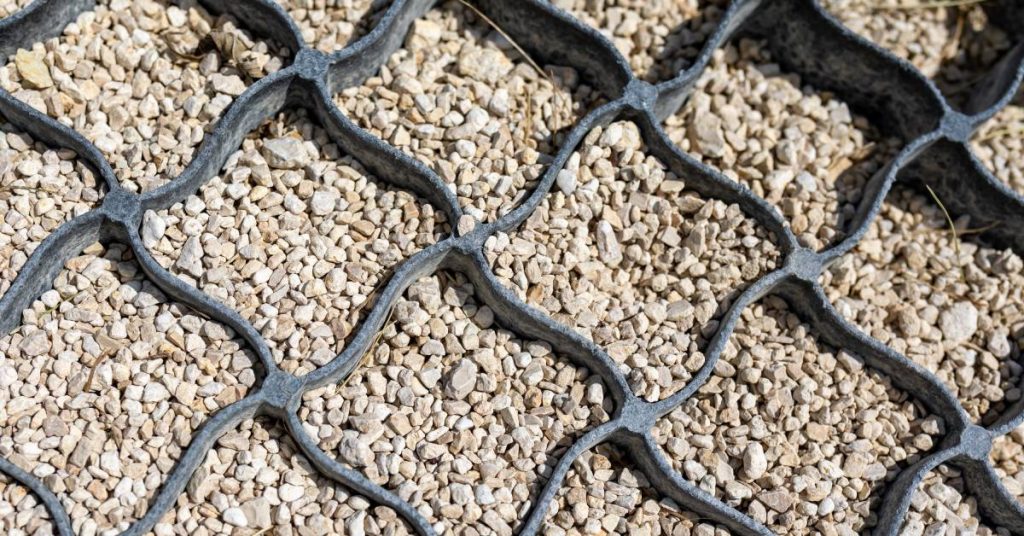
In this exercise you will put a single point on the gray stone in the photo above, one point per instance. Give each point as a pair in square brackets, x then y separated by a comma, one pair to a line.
[235, 516]
[461, 380]
[754, 462]
[323, 203]
[190, 257]
[227, 84]
[607, 244]
[35, 343]
[355, 452]
[778, 500]
[566, 181]
[153, 228]
[959, 323]
[706, 133]
[285, 153]
[155, 392]
[257, 513]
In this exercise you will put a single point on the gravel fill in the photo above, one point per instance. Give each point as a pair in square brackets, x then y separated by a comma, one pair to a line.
[800, 149]
[624, 253]
[104, 384]
[997, 144]
[954, 307]
[255, 480]
[954, 46]
[797, 434]
[602, 494]
[295, 236]
[143, 80]
[941, 506]
[459, 98]
[659, 38]
[40, 188]
[458, 416]
[455, 414]
[331, 25]
[10, 7]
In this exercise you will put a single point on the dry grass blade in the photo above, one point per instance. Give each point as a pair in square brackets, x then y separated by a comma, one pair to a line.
[977, 230]
[92, 370]
[952, 229]
[369, 350]
[508, 38]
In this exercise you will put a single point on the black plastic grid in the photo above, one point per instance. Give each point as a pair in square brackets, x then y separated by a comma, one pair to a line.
[800, 34]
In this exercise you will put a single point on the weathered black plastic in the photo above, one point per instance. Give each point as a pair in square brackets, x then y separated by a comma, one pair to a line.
[803, 38]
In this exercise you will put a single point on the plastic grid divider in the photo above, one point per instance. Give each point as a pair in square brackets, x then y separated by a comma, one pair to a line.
[804, 38]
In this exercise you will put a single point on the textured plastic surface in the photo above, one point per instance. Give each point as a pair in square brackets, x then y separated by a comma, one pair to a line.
[801, 36]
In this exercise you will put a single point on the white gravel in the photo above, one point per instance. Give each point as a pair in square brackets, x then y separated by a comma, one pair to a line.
[330, 25]
[629, 257]
[998, 144]
[799, 148]
[940, 506]
[295, 236]
[40, 188]
[1008, 460]
[141, 79]
[21, 513]
[956, 313]
[659, 38]
[10, 7]
[954, 46]
[462, 100]
[458, 416]
[255, 480]
[796, 434]
[603, 495]
[159, 372]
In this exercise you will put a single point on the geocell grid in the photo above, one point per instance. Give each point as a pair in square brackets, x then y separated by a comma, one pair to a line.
[800, 35]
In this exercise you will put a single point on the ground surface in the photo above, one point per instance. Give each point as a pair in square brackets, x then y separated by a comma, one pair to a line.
[106, 378]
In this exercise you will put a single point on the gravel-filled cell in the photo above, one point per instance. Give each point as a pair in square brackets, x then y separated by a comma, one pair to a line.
[1007, 457]
[953, 43]
[294, 235]
[998, 144]
[143, 80]
[41, 187]
[948, 302]
[10, 7]
[105, 383]
[460, 98]
[331, 25]
[604, 494]
[21, 512]
[458, 416]
[940, 505]
[622, 251]
[801, 149]
[256, 481]
[800, 436]
[659, 38]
